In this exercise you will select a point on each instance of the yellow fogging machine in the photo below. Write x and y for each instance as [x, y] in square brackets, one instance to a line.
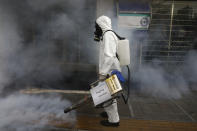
[102, 92]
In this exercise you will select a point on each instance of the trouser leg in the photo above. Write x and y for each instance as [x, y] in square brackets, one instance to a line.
[112, 111]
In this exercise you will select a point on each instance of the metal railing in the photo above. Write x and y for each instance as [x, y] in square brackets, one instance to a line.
[171, 32]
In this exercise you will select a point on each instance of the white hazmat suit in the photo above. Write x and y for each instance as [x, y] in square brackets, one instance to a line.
[108, 61]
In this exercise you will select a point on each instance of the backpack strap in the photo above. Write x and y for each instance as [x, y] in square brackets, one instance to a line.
[119, 37]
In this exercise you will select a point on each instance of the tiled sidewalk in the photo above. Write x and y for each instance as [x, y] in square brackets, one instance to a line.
[92, 124]
[143, 113]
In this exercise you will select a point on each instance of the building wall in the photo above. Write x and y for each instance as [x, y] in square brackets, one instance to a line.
[105, 7]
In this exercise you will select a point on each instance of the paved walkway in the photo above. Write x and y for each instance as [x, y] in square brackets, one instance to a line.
[92, 124]
[143, 113]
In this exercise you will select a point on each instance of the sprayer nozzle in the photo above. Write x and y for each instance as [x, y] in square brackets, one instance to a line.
[67, 110]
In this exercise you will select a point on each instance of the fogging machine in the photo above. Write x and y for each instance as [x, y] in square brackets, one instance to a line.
[102, 92]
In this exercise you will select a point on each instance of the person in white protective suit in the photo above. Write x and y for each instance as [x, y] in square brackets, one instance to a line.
[107, 62]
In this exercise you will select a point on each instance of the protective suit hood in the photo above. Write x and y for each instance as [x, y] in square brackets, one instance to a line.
[104, 22]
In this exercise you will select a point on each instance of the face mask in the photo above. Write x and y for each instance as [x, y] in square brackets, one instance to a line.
[98, 32]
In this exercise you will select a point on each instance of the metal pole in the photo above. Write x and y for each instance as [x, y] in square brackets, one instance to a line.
[171, 22]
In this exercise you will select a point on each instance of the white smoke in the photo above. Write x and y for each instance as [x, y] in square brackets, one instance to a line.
[190, 70]
[27, 61]
[35, 57]
[43, 5]
[9, 36]
[155, 80]
[24, 112]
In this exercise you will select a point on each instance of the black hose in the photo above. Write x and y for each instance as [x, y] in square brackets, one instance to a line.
[128, 85]
[129, 76]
